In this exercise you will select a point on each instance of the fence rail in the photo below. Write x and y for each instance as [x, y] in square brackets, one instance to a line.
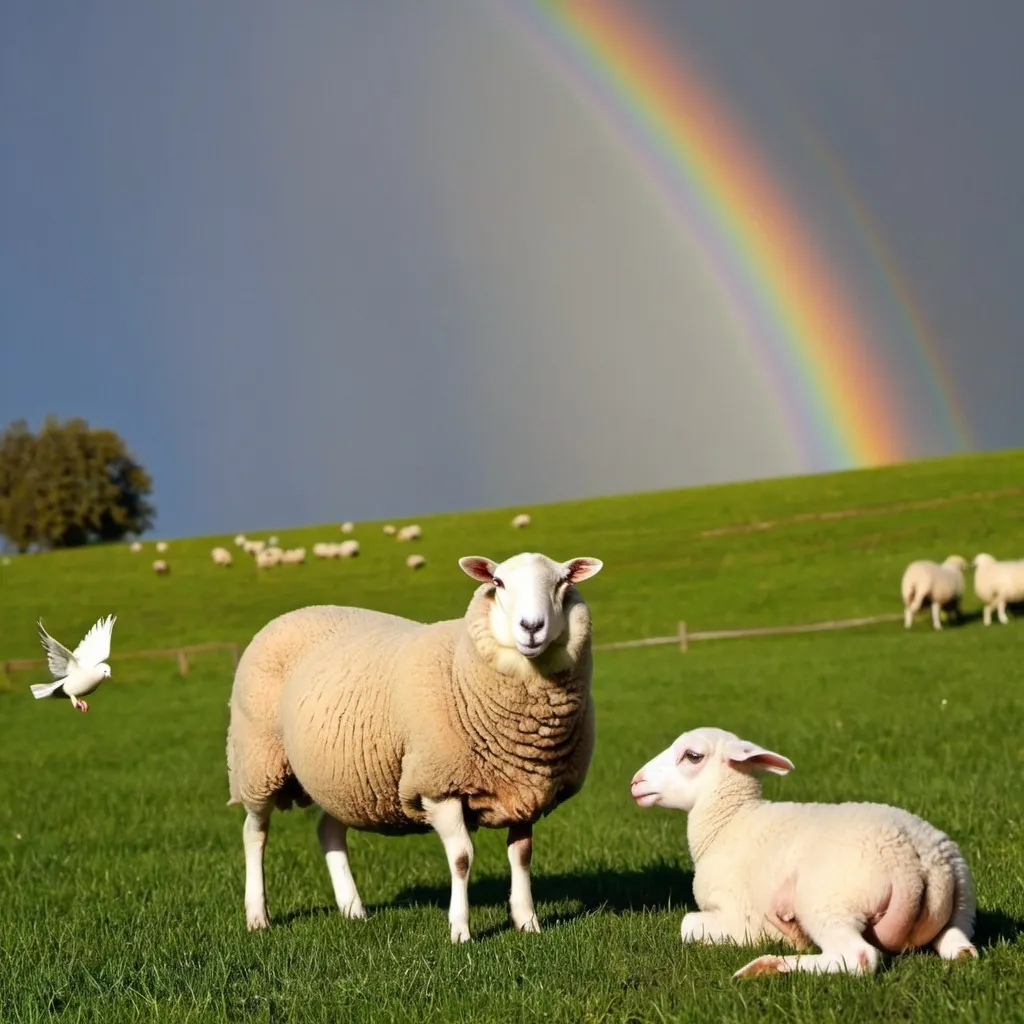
[180, 653]
[683, 637]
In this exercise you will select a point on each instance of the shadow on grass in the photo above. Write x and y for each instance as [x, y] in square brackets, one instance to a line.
[993, 927]
[974, 617]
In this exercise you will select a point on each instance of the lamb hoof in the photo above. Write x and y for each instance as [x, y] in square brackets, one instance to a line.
[460, 933]
[257, 921]
[354, 911]
[965, 953]
[763, 965]
[531, 924]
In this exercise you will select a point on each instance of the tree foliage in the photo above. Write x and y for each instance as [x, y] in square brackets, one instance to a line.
[70, 484]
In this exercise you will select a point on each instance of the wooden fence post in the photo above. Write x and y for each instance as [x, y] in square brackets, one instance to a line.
[684, 644]
[182, 664]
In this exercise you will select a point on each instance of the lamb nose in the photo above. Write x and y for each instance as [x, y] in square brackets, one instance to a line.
[531, 627]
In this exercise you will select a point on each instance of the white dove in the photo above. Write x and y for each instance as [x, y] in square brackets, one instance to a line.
[76, 674]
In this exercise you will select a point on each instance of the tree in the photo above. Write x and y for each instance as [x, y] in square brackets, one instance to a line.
[69, 485]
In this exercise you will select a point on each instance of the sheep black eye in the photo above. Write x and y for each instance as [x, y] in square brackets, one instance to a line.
[693, 756]
[498, 583]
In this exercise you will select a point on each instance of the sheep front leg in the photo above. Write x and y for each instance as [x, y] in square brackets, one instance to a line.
[254, 840]
[936, 615]
[520, 853]
[447, 820]
[708, 927]
[333, 842]
[1001, 611]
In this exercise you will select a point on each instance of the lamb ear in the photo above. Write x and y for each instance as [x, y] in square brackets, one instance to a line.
[579, 569]
[741, 754]
[478, 567]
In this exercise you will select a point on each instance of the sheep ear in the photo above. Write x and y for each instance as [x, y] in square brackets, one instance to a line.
[579, 569]
[750, 756]
[478, 567]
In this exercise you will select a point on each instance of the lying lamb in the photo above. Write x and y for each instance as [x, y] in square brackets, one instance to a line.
[396, 726]
[998, 584]
[852, 878]
[940, 585]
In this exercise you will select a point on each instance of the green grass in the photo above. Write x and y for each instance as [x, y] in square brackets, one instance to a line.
[121, 868]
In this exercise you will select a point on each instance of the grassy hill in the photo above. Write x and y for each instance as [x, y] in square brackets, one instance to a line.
[121, 869]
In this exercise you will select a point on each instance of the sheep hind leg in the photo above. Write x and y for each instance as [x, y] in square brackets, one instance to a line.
[936, 615]
[1001, 611]
[333, 842]
[254, 840]
[447, 820]
[844, 950]
[520, 854]
[954, 941]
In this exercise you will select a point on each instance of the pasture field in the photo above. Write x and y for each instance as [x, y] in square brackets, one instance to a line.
[121, 867]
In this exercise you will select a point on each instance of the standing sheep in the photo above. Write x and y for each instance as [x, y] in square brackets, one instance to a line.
[415, 561]
[389, 529]
[852, 878]
[928, 582]
[410, 532]
[161, 547]
[239, 539]
[396, 726]
[161, 568]
[135, 547]
[347, 527]
[998, 584]
[221, 556]
[521, 520]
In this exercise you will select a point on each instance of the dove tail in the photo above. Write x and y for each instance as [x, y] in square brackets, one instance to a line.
[40, 690]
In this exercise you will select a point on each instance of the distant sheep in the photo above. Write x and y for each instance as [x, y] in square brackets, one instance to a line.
[347, 527]
[410, 532]
[161, 546]
[296, 556]
[221, 556]
[161, 568]
[239, 540]
[271, 542]
[389, 529]
[853, 879]
[268, 558]
[348, 549]
[253, 547]
[998, 584]
[926, 582]
[135, 547]
[415, 561]
[521, 520]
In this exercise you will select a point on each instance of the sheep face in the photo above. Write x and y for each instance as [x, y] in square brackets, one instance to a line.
[692, 766]
[982, 559]
[956, 562]
[528, 612]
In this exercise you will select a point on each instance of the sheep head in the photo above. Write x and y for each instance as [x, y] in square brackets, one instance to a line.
[529, 590]
[694, 765]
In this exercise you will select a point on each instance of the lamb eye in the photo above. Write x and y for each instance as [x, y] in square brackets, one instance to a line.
[498, 583]
[693, 756]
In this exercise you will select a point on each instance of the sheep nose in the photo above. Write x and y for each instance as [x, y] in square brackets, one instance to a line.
[637, 779]
[532, 627]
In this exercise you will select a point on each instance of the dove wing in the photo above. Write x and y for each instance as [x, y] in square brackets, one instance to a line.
[58, 657]
[95, 645]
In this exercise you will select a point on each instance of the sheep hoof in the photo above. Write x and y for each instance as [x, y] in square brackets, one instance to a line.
[966, 953]
[531, 924]
[763, 965]
[256, 921]
[460, 933]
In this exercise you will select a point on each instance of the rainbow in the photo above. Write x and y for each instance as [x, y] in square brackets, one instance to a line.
[837, 401]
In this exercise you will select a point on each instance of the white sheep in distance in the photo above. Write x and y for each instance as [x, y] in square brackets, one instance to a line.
[239, 540]
[415, 561]
[389, 529]
[410, 532]
[347, 549]
[268, 558]
[347, 527]
[942, 586]
[161, 547]
[485, 720]
[271, 542]
[160, 567]
[998, 584]
[221, 556]
[851, 878]
[521, 520]
[294, 556]
[253, 547]
[135, 547]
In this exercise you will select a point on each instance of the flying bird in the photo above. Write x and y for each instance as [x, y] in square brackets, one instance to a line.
[78, 673]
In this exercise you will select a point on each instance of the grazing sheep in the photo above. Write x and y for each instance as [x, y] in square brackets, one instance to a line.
[389, 529]
[161, 568]
[296, 556]
[347, 549]
[271, 542]
[239, 540]
[521, 520]
[268, 558]
[940, 585]
[322, 550]
[851, 878]
[135, 547]
[254, 547]
[998, 584]
[396, 726]
[221, 556]
[415, 561]
[161, 547]
[410, 532]
[347, 527]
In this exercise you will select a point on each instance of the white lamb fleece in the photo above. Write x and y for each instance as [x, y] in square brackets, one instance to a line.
[410, 532]
[268, 558]
[161, 546]
[347, 527]
[389, 529]
[239, 539]
[396, 726]
[415, 561]
[941, 586]
[851, 878]
[998, 584]
[347, 549]
[221, 556]
[160, 567]
[521, 520]
[135, 547]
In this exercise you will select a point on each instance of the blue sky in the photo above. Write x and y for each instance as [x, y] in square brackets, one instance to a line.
[330, 261]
